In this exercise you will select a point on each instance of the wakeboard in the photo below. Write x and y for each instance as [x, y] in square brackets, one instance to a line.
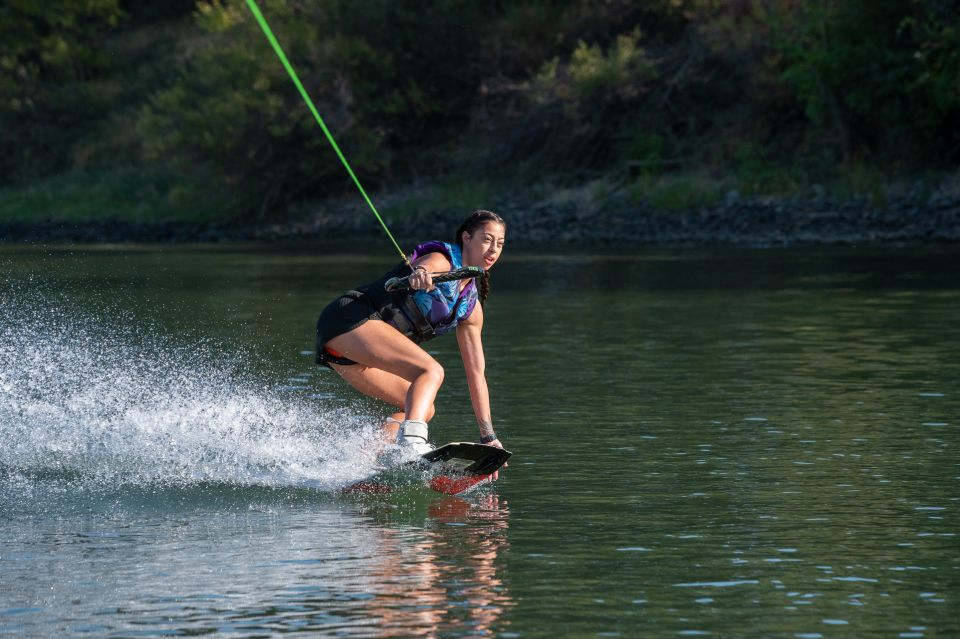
[450, 469]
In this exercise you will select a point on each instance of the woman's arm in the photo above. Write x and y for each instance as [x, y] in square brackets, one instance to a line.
[421, 279]
[471, 351]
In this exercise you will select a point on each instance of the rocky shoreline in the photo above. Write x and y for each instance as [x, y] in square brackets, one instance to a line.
[753, 222]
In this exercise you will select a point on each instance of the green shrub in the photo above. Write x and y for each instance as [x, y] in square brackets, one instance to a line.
[593, 72]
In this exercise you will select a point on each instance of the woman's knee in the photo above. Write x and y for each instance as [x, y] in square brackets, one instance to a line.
[434, 371]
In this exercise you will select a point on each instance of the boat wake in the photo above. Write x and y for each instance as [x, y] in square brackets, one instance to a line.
[101, 403]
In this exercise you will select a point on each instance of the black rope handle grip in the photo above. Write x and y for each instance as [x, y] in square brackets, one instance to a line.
[462, 273]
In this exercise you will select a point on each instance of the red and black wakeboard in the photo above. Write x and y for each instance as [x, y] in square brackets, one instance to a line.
[450, 469]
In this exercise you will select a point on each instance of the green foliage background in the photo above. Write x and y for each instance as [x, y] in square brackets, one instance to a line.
[182, 107]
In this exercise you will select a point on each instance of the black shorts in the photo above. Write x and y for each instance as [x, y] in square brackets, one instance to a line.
[342, 315]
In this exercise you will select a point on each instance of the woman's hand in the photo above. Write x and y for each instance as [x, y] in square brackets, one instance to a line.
[496, 474]
[420, 279]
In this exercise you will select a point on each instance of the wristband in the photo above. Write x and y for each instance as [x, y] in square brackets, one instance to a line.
[486, 439]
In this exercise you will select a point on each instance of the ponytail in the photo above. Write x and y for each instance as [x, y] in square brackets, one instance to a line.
[483, 287]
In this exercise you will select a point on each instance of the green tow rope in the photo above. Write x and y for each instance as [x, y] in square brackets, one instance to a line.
[306, 98]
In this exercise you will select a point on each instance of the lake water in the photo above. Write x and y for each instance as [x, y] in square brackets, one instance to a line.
[706, 443]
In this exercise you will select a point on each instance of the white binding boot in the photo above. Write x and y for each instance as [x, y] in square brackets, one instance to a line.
[412, 436]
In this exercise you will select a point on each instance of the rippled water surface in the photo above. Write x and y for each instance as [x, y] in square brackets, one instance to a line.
[730, 443]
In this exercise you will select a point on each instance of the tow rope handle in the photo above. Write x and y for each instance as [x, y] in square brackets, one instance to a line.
[462, 273]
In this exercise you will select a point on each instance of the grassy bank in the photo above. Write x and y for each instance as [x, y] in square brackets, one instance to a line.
[155, 196]
[139, 196]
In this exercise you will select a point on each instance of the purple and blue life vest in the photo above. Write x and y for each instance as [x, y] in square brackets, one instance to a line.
[446, 305]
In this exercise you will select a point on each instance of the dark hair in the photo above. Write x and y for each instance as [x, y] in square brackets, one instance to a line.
[474, 221]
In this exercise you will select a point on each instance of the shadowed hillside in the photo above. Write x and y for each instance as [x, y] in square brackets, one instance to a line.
[179, 111]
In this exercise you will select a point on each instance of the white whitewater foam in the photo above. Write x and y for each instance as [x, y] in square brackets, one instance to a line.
[101, 404]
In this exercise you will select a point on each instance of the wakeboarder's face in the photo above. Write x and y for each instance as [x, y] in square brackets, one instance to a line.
[483, 248]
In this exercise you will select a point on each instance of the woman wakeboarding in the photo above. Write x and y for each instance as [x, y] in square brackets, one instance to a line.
[371, 336]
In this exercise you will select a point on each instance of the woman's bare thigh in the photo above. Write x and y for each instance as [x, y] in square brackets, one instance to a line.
[376, 344]
[375, 383]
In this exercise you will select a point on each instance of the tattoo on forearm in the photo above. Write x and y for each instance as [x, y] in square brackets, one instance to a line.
[486, 427]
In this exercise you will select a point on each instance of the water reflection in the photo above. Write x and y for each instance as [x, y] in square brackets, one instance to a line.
[445, 577]
[272, 561]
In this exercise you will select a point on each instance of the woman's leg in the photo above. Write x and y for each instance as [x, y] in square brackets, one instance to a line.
[381, 385]
[391, 368]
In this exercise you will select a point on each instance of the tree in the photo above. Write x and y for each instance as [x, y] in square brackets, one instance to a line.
[50, 50]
